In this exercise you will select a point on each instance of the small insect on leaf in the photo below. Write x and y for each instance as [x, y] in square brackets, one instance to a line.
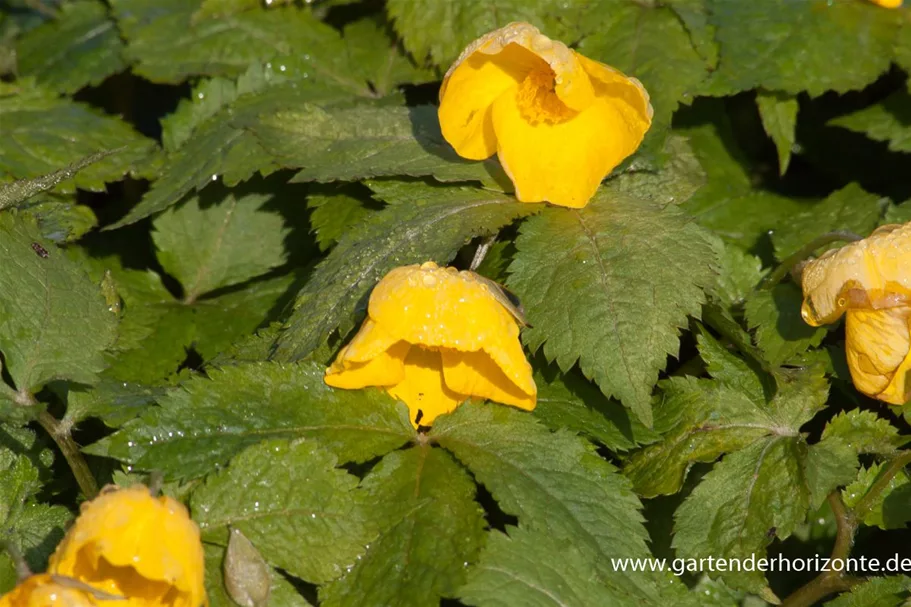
[41, 251]
[506, 298]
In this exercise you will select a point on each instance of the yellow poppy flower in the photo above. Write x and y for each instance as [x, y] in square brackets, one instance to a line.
[888, 3]
[433, 338]
[44, 591]
[128, 543]
[558, 121]
[870, 282]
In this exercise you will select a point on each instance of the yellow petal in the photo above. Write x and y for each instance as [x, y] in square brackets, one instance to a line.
[564, 162]
[878, 347]
[888, 3]
[386, 369]
[612, 83]
[128, 543]
[477, 374]
[422, 388]
[43, 591]
[872, 272]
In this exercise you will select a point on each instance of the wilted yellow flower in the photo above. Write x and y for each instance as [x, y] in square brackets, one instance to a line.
[127, 542]
[870, 280]
[433, 338]
[888, 3]
[558, 121]
[44, 591]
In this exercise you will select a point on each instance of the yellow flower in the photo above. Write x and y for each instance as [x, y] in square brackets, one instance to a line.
[558, 121]
[888, 3]
[433, 338]
[45, 591]
[870, 281]
[128, 543]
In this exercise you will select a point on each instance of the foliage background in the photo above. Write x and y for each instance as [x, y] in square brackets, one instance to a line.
[196, 197]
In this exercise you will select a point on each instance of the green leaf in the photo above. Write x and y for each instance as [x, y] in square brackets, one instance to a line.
[555, 483]
[829, 464]
[355, 142]
[430, 528]
[114, 402]
[54, 323]
[779, 119]
[222, 239]
[865, 432]
[282, 591]
[424, 223]
[738, 276]
[31, 527]
[60, 219]
[748, 494]
[648, 41]
[889, 121]
[588, 281]
[850, 208]
[220, 149]
[781, 332]
[788, 46]
[81, 47]
[568, 401]
[42, 134]
[292, 503]
[703, 418]
[383, 70]
[169, 45]
[205, 422]
[675, 181]
[12, 194]
[889, 591]
[695, 17]
[890, 508]
[335, 210]
[520, 569]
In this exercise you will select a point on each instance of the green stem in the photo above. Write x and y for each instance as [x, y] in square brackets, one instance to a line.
[782, 270]
[60, 432]
[830, 582]
[868, 501]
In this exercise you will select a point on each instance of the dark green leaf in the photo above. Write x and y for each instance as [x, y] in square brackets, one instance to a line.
[889, 121]
[876, 592]
[864, 432]
[779, 119]
[891, 509]
[781, 332]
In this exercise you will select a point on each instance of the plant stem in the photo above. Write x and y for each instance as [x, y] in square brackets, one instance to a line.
[60, 432]
[867, 502]
[781, 271]
[830, 582]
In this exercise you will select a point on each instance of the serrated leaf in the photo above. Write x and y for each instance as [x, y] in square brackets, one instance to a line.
[792, 47]
[207, 421]
[432, 227]
[334, 211]
[114, 402]
[220, 149]
[430, 528]
[829, 464]
[292, 503]
[889, 591]
[588, 277]
[889, 121]
[282, 591]
[701, 418]
[80, 47]
[555, 483]
[378, 59]
[221, 239]
[850, 209]
[739, 274]
[12, 194]
[890, 509]
[781, 332]
[778, 113]
[42, 134]
[349, 143]
[673, 182]
[54, 323]
[649, 42]
[31, 527]
[169, 45]
[747, 494]
[568, 401]
[865, 432]
[695, 17]
[519, 569]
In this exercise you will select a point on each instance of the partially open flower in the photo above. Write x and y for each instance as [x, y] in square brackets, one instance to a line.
[888, 3]
[128, 543]
[44, 591]
[558, 121]
[870, 281]
[433, 338]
